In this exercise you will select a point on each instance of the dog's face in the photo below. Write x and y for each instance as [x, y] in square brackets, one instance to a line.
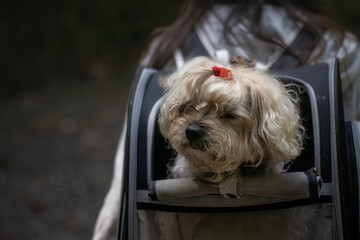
[219, 125]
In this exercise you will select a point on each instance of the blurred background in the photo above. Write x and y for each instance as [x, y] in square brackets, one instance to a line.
[65, 72]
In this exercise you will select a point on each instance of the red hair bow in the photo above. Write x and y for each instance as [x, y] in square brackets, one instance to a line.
[222, 72]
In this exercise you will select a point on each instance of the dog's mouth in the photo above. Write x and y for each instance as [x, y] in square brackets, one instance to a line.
[199, 145]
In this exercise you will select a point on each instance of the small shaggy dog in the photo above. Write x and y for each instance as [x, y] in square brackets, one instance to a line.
[224, 123]
[219, 125]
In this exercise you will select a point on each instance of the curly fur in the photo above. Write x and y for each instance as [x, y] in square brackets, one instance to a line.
[250, 120]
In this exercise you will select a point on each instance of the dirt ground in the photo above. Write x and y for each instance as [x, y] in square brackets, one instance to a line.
[57, 147]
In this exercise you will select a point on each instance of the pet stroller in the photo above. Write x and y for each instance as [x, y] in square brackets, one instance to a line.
[327, 171]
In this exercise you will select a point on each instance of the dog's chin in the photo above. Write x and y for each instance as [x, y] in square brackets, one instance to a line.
[202, 160]
[195, 154]
[197, 146]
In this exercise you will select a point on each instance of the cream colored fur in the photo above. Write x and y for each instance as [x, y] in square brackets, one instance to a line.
[249, 120]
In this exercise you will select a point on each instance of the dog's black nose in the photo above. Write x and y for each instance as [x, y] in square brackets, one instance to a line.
[194, 133]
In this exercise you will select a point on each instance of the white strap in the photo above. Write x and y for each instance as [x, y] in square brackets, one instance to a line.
[179, 58]
[222, 56]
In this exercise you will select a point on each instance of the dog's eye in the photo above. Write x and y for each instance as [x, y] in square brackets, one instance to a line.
[184, 107]
[229, 115]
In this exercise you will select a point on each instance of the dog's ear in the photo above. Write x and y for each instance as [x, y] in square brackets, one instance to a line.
[275, 115]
